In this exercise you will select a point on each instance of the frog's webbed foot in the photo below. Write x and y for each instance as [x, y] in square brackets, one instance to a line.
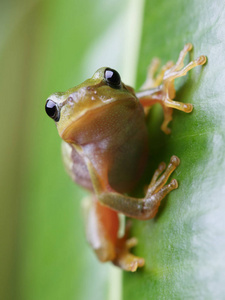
[167, 92]
[178, 71]
[124, 259]
[152, 79]
[158, 189]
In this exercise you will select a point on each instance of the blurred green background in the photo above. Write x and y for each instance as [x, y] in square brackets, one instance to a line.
[49, 46]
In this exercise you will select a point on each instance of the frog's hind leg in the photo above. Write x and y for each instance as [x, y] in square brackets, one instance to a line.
[124, 259]
[102, 225]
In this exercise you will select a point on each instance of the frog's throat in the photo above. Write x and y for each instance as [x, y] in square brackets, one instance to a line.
[98, 122]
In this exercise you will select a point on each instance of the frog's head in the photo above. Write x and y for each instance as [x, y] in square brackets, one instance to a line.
[89, 106]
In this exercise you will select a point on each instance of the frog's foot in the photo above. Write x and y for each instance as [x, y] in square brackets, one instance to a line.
[168, 86]
[165, 92]
[152, 79]
[158, 183]
[124, 259]
[178, 71]
[157, 189]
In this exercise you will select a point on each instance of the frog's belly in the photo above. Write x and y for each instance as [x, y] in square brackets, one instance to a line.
[119, 157]
[76, 167]
[127, 164]
[122, 160]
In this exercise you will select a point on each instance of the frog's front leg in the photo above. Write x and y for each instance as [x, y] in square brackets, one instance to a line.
[166, 91]
[103, 221]
[139, 208]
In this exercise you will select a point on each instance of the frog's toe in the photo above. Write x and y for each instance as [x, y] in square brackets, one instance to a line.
[132, 242]
[129, 262]
[124, 259]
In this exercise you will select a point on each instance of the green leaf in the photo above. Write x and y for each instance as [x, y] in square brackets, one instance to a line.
[184, 244]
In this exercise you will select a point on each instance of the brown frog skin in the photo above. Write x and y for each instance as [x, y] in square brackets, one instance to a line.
[102, 124]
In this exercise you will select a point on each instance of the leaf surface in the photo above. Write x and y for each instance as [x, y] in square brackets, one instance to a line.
[184, 244]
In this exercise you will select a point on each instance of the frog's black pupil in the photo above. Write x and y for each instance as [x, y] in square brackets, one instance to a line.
[52, 110]
[112, 78]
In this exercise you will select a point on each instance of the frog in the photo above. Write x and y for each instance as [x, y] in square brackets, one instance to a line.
[102, 124]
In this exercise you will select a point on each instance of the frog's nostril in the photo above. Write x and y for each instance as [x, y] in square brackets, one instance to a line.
[70, 100]
[52, 110]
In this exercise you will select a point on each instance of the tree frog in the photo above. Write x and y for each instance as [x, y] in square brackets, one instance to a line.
[102, 125]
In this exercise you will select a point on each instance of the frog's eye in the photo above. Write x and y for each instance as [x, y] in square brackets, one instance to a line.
[52, 110]
[112, 78]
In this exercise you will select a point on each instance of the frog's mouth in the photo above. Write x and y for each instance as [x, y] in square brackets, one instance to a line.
[99, 124]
